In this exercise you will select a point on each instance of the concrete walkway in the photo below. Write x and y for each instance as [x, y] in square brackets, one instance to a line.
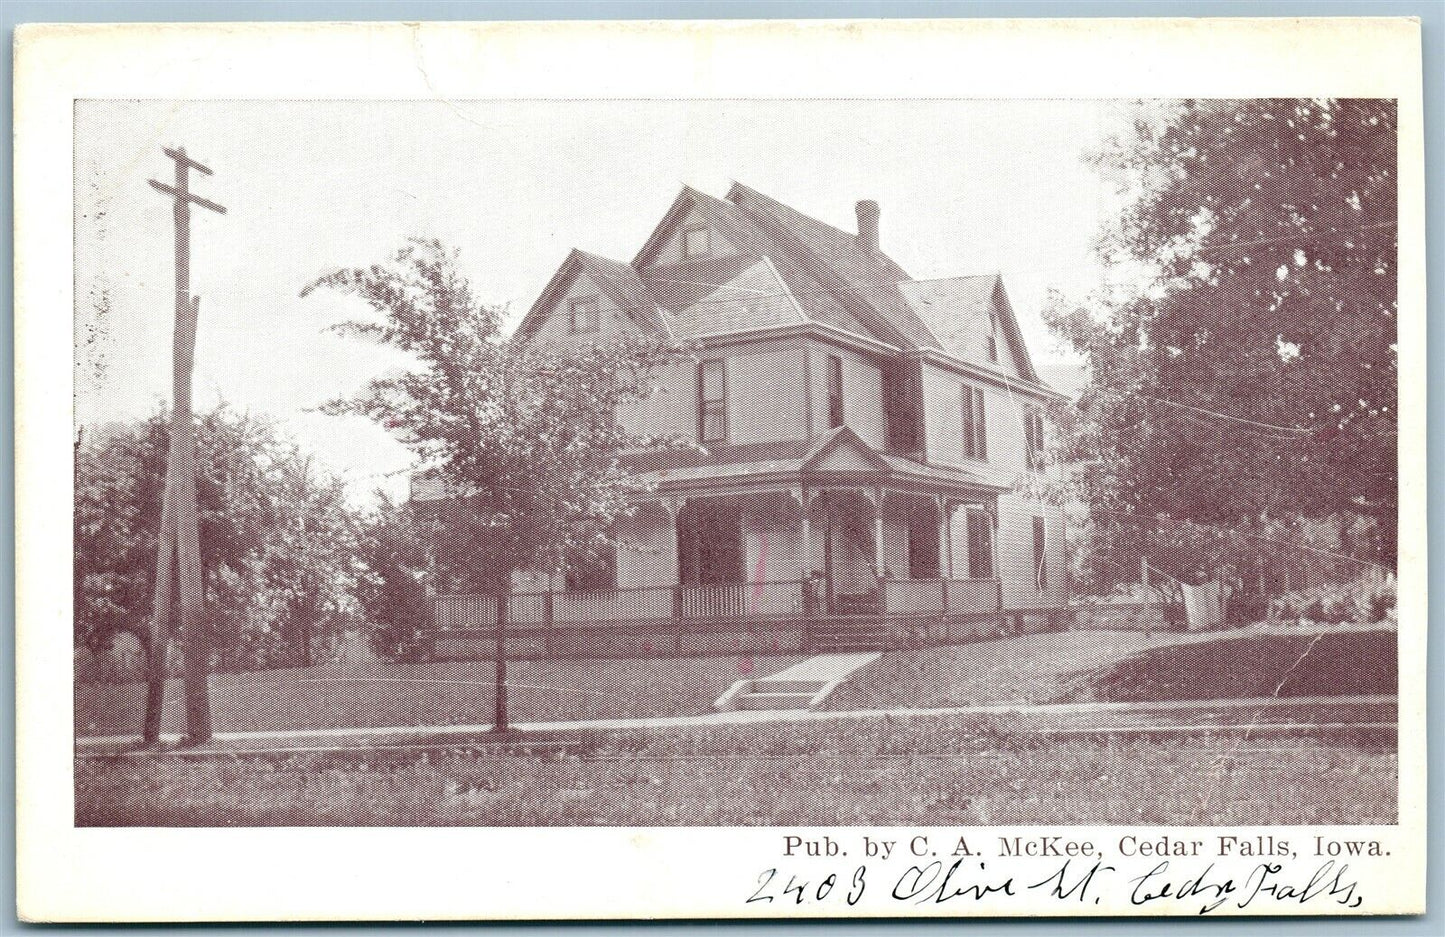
[805, 685]
[1047, 718]
[825, 668]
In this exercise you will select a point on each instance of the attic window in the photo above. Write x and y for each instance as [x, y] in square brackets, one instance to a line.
[695, 243]
[583, 318]
[992, 337]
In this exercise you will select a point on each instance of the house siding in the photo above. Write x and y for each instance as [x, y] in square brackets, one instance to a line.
[1016, 552]
[671, 410]
[554, 328]
[765, 393]
[670, 250]
[863, 410]
[943, 421]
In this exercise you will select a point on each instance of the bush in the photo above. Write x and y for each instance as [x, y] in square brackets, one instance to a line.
[1361, 602]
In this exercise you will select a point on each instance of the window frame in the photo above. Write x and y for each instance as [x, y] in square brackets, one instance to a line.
[975, 423]
[1034, 438]
[704, 403]
[993, 335]
[687, 235]
[595, 315]
[835, 391]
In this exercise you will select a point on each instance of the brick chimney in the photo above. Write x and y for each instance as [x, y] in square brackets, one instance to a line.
[868, 225]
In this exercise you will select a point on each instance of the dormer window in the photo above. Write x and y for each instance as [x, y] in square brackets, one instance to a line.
[584, 316]
[695, 243]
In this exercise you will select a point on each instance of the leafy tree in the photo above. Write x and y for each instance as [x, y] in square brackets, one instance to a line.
[523, 436]
[275, 538]
[1252, 379]
[396, 547]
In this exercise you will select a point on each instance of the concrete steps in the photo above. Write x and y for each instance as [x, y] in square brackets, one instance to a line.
[777, 700]
[802, 686]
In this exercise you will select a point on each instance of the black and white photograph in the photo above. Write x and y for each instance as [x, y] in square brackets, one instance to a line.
[878, 472]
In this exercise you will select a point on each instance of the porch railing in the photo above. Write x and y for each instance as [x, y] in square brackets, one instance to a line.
[941, 596]
[716, 601]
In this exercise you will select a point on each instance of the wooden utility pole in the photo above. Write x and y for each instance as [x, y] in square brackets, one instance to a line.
[180, 584]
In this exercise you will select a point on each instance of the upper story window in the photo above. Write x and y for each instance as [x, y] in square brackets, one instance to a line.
[835, 391]
[1034, 438]
[712, 409]
[992, 338]
[695, 243]
[975, 424]
[584, 316]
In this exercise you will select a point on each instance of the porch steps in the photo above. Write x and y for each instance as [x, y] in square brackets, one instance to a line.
[803, 686]
[867, 634]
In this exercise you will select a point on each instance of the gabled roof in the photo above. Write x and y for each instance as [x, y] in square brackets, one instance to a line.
[940, 302]
[789, 269]
[843, 438]
[617, 280]
[864, 280]
[721, 294]
[821, 298]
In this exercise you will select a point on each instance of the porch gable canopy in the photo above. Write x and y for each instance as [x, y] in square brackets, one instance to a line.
[839, 458]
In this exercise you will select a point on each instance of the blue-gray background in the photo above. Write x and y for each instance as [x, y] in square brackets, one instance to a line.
[1431, 12]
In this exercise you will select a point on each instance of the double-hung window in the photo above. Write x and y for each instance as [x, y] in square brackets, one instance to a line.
[1034, 438]
[975, 424]
[712, 410]
[584, 316]
[835, 391]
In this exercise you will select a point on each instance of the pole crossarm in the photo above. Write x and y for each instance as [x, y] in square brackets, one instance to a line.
[179, 155]
[203, 202]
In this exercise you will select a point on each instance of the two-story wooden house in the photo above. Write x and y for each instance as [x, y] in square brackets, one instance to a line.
[862, 432]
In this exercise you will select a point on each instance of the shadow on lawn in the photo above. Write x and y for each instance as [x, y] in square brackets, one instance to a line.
[1338, 664]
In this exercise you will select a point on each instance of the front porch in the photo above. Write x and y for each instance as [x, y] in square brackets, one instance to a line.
[789, 569]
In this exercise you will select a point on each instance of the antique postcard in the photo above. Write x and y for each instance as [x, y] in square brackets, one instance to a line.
[720, 469]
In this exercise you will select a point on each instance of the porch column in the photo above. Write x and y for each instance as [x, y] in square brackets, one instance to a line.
[672, 506]
[993, 547]
[879, 566]
[945, 536]
[805, 539]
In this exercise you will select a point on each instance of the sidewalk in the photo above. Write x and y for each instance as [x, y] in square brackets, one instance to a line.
[1068, 718]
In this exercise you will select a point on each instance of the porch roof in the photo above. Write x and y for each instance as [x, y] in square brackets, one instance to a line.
[837, 458]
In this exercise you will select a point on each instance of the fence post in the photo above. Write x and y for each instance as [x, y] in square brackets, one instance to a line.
[499, 722]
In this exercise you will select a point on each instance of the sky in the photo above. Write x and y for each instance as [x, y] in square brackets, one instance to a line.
[310, 186]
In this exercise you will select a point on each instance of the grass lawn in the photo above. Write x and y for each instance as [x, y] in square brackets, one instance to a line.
[356, 694]
[1105, 666]
[924, 771]
[1344, 663]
